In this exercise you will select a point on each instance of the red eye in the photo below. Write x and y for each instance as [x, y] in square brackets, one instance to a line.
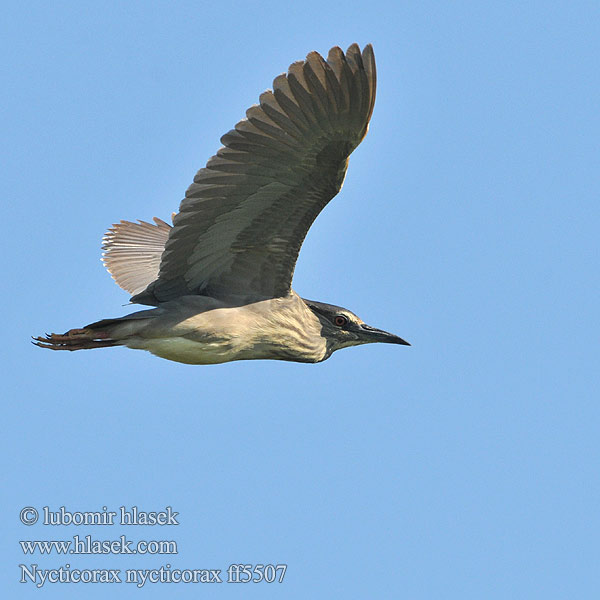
[340, 321]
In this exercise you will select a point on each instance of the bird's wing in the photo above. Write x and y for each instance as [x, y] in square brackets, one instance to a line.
[243, 220]
[132, 252]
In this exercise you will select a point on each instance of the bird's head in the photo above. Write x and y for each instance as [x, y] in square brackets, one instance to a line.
[342, 328]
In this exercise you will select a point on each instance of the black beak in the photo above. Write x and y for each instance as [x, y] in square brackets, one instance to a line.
[378, 335]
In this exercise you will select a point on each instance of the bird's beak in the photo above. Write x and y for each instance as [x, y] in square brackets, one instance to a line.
[371, 334]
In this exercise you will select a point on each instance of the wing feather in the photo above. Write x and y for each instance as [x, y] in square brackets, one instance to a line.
[132, 252]
[241, 225]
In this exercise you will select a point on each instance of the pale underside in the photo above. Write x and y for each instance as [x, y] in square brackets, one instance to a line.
[197, 329]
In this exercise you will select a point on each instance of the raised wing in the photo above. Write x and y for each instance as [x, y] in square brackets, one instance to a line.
[132, 252]
[243, 220]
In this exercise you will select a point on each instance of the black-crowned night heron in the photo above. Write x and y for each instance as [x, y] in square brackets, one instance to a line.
[220, 277]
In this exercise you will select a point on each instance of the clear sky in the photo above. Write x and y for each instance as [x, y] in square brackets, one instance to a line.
[466, 466]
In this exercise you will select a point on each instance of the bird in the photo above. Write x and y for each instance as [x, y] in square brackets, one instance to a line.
[219, 278]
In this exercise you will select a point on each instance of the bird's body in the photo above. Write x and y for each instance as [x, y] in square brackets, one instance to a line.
[220, 277]
[204, 330]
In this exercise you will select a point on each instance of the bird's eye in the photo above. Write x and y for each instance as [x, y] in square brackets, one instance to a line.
[341, 321]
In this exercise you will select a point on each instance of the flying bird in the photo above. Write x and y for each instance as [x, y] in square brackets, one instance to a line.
[220, 277]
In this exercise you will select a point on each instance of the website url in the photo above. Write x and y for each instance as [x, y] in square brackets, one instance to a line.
[87, 545]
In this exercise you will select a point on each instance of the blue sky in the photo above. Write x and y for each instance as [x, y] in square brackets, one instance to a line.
[466, 466]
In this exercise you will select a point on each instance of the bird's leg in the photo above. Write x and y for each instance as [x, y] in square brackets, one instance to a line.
[75, 339]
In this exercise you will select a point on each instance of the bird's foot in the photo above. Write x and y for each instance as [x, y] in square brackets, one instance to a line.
[74, 339]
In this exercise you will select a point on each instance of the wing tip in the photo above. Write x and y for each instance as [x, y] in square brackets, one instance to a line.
[132, 252]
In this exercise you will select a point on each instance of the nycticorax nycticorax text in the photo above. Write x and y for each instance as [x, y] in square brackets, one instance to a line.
[220, 277]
